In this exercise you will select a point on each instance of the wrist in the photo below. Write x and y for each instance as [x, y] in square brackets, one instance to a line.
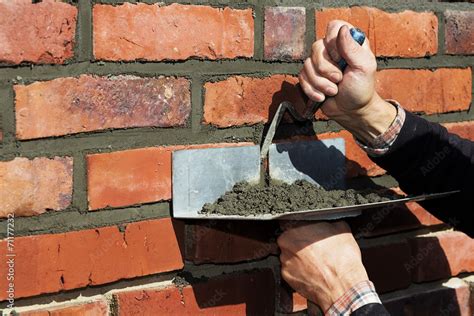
[369, 121]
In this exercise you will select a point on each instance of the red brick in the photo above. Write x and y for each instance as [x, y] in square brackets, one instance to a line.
[41, 33]
[95, 308]
[230, 242]
[459, 34]
[463, 129]
[133, 176]
[440, 255]
[401, 34]
[246, 100]
[247, 293]
[173, 32]
[289, 300]
[89, 103]
[439, 91]
[54, 262]
[31, 187]
[447, 299]
[284, 34]
[385, 265]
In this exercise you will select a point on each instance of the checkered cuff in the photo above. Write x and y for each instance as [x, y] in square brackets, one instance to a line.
[381, 144]
[361, 294]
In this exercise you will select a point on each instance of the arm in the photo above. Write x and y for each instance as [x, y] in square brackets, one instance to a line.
[423, 157]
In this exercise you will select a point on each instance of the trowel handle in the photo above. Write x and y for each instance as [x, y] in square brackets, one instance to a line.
[313, 106]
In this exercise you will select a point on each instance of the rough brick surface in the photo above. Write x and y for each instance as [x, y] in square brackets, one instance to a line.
[447, 299]
[401, 34]
[247, 293]
[54, 262]
[88, 103]
[36, 32]
[31, 187]
[245, 100]
[463, 129]
[229, 242]
[95, 308]
[284, 33]
[174, 32]
[385, 265]
[439, 91]
[459, 33]
[441, 255]
[133, 176]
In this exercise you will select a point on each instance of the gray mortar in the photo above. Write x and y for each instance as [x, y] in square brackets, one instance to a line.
[245, 199]
[198, 71]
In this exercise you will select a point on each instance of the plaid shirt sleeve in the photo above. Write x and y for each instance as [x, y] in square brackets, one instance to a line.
[361, 294]
[382, 143]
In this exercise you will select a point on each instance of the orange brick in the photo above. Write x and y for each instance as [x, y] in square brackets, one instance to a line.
[174, 32]
[54, 262]
[247, 293]
[245, 100]
[89, 103]
[41, 33]
[133, 176]
[30, 187]
[440, 91]
[402, 34]
[95, 308]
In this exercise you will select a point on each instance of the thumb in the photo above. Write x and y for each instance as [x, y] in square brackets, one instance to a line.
[355, 55]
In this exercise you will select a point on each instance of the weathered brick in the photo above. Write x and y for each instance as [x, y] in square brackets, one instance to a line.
[95, 308]
[246, 100]
[463, 129]
[174, 32]
[451, 298]
[89, 103]
[133, 176]
[284, 33]
[440, 255]
[54, 262]
[401, 34]
[31, 187]
[40, 33]
[459, 33]
[246, 293]
[439, 91]
[385, 265]
[230, 242]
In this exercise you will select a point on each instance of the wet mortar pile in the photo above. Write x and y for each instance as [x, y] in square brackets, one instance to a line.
[246, 199]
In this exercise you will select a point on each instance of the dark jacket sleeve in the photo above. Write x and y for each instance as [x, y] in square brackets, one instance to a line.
[425, 158]
[371, 309]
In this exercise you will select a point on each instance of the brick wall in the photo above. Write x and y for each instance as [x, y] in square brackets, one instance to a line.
[95, 96]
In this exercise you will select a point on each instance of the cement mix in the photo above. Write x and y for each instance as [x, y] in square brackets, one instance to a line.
[245, 199]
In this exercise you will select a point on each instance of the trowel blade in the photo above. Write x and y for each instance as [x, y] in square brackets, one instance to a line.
[321, 162]
[332, 213]
[201, 176]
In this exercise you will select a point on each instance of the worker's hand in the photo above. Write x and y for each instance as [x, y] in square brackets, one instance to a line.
[321, 261]
[350, 97]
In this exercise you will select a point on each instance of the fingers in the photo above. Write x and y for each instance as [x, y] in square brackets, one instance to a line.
[330, 40]
[320, 75]
[356, 56]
